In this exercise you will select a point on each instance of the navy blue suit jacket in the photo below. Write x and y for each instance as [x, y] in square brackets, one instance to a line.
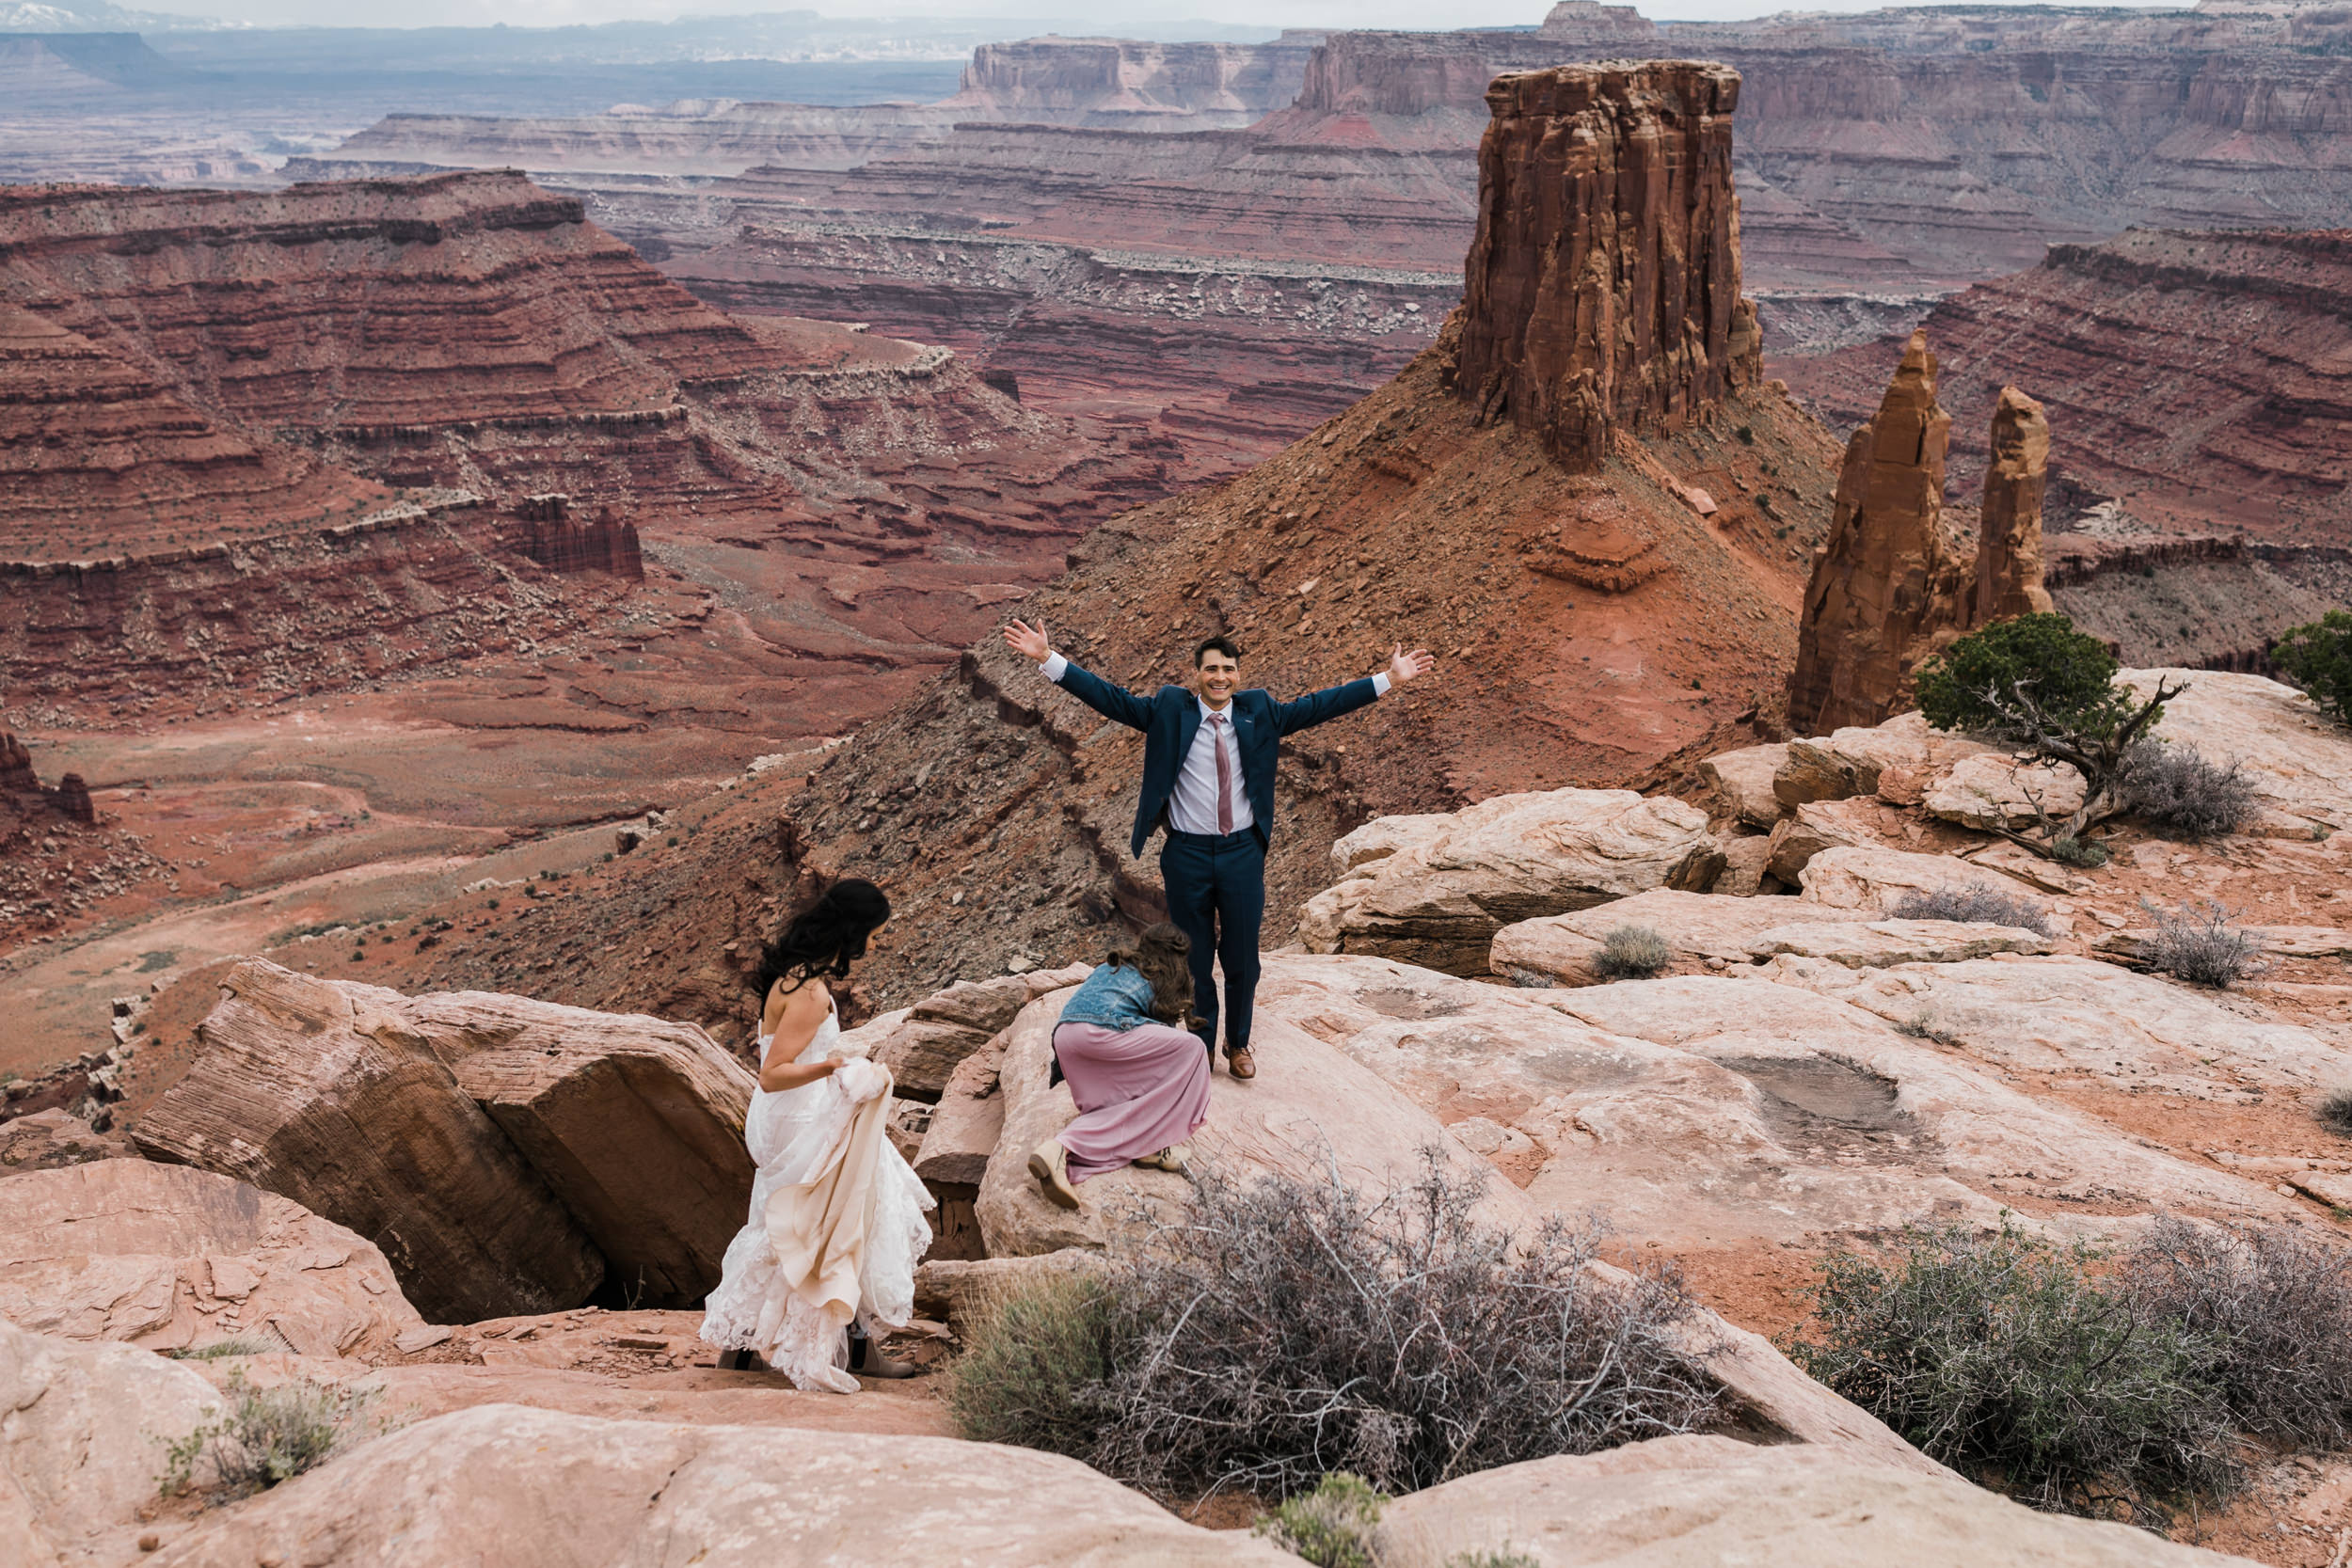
[1170, 717]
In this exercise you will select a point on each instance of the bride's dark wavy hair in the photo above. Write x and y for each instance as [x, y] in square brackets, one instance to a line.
[825, 938]
[1162, 956]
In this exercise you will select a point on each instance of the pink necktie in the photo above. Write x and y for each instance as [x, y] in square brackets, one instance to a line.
[1224, 786]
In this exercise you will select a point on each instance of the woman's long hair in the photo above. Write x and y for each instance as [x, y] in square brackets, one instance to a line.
[825, 938]
[1162, 956]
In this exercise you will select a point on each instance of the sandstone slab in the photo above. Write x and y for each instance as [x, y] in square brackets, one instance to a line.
[1558, 950]
[1714, 1113]
[2084, 1019]
[1743, 779]
[1745, 858]
[167, 1256]
[1820, 825]
[1870, 759]
[1440, 900]
[45, 1140]
[1991, 790]
[1859, 877]
[2301, 760]
[1878, 944]
[539, 1489]
[78, 1455]
[968, 1120]
[1701, 1502]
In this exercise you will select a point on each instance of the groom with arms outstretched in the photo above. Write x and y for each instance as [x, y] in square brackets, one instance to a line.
[1207, 777]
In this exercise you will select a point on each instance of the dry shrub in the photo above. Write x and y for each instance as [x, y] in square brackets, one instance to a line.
[2197, 944]
[2279, 1304]
[2181, 795]
[1631, 953]
[2334, 1111]
[267, 1435]
[1282, 1331]
[2002, 1355]
[1977, 901]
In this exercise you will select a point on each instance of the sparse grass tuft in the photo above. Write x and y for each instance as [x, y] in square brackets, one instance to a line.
[1331, 1526]
[2082, 853]
[2182, 796]
[2196, 943]
[220, 1348]
[1631, 953]
[1977, 901]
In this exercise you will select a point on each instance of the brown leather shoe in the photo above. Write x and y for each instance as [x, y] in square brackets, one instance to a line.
[1240, 1064]
[1049, 1165]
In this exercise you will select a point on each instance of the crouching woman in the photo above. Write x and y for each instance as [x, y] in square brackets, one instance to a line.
[1138, 1074]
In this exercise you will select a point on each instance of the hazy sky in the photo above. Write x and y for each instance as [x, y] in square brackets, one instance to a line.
[1103, 16]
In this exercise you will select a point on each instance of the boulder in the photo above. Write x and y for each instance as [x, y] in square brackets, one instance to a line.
[1816, 825]
[79, 1452]
[538, 1489]
[1309, 1111]
[924, 1044]
[1558, 950]
[1860, 878]
[1440, 900]
[45, 1140]
[635, 1123]
[1384, 836]
[1881, 944]
[1990, 790]
[1889, 759]
[2300, 759]
[496, 1147]
[1745, 860]
[1704, 1501]
[2094, 1021]
[167, 1256]
[967, 1121]
[1743, 780]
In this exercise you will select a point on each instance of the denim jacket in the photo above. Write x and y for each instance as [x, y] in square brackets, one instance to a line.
[1114, 996]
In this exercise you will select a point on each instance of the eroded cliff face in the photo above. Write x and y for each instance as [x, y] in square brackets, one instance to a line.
[1139, 86]
[1602, 289]
[222, 396]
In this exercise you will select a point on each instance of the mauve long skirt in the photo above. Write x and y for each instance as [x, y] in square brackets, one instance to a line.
[1140, 1090]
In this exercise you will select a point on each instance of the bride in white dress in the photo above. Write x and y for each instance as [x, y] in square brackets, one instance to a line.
[827, 1256]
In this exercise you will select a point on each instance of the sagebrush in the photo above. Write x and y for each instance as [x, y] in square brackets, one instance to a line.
[1977, 901]
[1287, 1329]
[2182, 795]
[1631, 953]
[267, 1435]
[2334, 1111]
[2004, 1357]
[2276, 1304]
[2198, 943]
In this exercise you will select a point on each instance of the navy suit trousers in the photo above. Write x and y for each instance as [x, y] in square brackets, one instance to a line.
[1217, 896]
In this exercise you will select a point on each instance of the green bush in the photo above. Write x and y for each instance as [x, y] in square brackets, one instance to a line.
[267, 1435]
[2070, 675]
[2003, 1356]
[2318, 658]
[1036, 1372]
[1331, 1526]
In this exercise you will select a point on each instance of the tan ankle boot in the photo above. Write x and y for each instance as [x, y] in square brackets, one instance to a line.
[1049, 1163]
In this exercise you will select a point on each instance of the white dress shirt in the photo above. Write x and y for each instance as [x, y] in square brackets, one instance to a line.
[1192, 809]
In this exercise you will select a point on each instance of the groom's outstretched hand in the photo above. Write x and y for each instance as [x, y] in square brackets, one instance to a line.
[1028, 640]
[1401, 665]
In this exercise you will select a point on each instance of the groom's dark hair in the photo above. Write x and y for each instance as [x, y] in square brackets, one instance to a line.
[1219, 643]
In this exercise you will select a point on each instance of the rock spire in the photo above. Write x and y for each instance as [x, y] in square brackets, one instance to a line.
[1889, 586]
[2008, 532]
[1602, 290]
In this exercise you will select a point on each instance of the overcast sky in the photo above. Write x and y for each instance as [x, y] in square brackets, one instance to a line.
[1102, 16]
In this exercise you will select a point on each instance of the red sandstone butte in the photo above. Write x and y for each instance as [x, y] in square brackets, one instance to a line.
[1602, 289]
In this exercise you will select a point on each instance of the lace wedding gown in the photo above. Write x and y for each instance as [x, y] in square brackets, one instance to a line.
[791, 1135]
